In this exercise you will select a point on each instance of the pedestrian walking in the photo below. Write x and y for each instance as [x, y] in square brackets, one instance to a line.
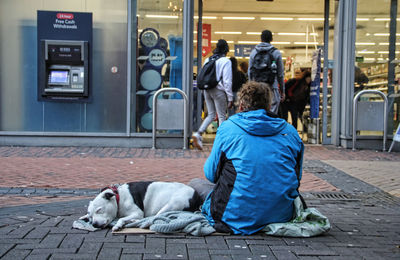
[265, 65]
[219, 98]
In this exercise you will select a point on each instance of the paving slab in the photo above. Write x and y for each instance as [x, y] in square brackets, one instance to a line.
[39, 202]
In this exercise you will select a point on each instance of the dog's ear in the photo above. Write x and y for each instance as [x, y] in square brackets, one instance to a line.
[109, 195]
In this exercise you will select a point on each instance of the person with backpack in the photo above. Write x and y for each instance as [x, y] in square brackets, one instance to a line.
[215, 78]
[265, 65]
[296, 98]
[238, 79]
[254, 169]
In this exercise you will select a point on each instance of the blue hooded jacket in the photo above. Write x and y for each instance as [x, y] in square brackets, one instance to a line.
[256, 164]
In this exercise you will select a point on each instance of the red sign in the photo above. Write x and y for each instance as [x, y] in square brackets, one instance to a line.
[206, 39]
[65, 16]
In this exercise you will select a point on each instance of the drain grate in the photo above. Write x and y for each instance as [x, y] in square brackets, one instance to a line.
[334, 196]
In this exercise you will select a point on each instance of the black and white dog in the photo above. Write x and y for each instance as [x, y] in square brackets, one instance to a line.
[136, 200]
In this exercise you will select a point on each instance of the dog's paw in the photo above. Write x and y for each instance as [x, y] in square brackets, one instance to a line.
[116, 228]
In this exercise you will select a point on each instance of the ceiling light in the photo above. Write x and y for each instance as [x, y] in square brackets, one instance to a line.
[206, 17]
[253, 33]
[292, 34]
[365, 43]
[237, 18]
[277, 18]
[382, 19]
[369, 59]
[162, 16]
[385, 34]
[280, 43]
[366, 52]
[306, 43]
[387, 52]
[310, 19]
[226, 41]
[362, 19]
[386, 43]
[248, 42]
[227, 32]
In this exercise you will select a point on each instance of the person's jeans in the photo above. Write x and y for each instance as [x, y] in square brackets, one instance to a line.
[216, 102]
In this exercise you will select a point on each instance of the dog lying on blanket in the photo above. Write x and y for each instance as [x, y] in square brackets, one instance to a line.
[136, 200]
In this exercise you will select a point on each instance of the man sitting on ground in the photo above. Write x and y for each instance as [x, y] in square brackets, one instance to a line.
[254, 167]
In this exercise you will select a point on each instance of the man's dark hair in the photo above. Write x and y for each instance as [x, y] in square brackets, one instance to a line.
[255, 95]
[222, 47]
[266, 36]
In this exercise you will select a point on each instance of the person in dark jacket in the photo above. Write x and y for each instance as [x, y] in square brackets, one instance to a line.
[254, 168]
[296, 98]
[238, 79]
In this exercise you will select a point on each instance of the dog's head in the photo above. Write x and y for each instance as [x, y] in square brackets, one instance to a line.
[102, 210]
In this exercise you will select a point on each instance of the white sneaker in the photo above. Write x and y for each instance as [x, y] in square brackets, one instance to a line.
[197, 141]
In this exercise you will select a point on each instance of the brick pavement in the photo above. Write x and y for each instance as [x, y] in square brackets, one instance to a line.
[365, 220]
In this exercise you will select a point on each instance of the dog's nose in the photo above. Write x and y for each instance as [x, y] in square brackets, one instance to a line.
[96, 225]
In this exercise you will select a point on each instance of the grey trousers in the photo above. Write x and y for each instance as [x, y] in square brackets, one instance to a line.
[276, 100]
[216, 102]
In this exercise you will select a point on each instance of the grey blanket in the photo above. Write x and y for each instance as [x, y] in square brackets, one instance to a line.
[176, 222]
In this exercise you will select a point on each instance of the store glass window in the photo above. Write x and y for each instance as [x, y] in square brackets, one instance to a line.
[20, 109]
[159, 61]
[372, 55]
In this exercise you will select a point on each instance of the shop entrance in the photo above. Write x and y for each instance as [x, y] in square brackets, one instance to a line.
[298, 32]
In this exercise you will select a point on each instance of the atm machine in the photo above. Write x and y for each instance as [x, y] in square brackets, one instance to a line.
[64, 41]
[64, 69]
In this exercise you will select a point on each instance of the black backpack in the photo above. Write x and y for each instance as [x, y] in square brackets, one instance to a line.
[207, 78]
[264, 67]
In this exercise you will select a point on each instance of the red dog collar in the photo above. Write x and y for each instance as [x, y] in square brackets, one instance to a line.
[114, 188]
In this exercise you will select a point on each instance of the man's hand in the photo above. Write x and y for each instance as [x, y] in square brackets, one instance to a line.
[230, 104]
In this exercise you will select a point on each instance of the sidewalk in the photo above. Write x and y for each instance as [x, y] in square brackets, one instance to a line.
[43, 190]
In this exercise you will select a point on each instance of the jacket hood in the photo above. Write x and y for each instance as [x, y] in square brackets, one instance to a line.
[259, 122]
[264, 46]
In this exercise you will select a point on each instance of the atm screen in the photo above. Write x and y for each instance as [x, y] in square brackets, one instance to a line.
[59, 76]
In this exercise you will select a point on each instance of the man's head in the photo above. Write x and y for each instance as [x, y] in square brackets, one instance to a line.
[253, 96]
[222, 47]
[266, 36]
[306, 76]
